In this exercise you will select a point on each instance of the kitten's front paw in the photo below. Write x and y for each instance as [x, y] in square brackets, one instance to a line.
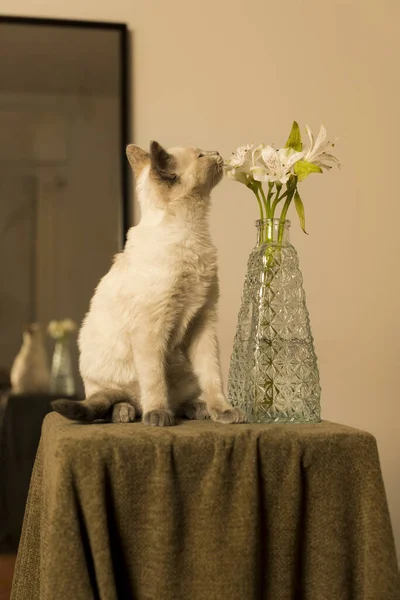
[231, 415]
[159, 418]
[196, 410]
[123, 413]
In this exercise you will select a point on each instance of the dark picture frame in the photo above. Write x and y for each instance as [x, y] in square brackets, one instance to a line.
[125, 86]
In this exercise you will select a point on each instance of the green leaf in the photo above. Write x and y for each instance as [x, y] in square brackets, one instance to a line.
[303, 169]
[300, 211]
[294, 139]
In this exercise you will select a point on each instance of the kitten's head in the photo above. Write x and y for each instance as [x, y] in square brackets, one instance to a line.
[178, 172]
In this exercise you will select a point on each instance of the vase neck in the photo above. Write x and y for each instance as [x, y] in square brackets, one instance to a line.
[273, 231]
[62, 341]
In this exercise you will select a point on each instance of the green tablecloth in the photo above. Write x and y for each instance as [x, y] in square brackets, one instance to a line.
[204, 511]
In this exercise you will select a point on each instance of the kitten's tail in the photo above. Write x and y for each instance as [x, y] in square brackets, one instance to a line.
[95, 407]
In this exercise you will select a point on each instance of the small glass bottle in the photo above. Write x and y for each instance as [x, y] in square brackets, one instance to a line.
[62, 380]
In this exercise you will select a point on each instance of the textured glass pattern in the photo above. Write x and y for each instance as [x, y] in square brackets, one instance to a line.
[273, 373]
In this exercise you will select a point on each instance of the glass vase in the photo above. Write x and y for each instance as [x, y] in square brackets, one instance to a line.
[62, 379]
[273, 373]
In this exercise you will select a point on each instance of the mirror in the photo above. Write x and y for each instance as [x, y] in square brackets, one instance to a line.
[64, 213]
[64, 179]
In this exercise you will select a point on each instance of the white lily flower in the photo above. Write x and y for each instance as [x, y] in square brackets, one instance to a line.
[240, 166]
[241, 157]
[318, 152]
[278, 164]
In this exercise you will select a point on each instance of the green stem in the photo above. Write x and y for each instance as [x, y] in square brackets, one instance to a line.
[290, 193]
[267, 231]
[270, 194]
[255, 190]
[270, 214]
[277, 200]
[259, 204]
[267, 203]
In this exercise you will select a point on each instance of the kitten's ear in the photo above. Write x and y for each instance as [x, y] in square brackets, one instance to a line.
[162, 163]
[31, 328]
[137, 157]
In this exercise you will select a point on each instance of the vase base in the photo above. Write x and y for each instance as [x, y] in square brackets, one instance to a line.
[303, 416]
[282, 421]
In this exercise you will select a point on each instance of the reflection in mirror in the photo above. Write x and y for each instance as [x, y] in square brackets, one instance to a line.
[61, 188]
[63, 207]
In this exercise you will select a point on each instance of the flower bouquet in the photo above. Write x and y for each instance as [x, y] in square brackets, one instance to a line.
[281, 171]
[273, 373]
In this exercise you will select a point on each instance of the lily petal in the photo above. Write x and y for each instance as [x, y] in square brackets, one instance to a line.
[320, 139]
[310, 136]
[293, 158]
[240, 177]
[329, 157]
[271, 158]
[285, 178]
[256, 153]
[260, 174]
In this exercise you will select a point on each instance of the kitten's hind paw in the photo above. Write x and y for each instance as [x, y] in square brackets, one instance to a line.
[159, 418]
[123, 412]
[231, 415]
[195, 410]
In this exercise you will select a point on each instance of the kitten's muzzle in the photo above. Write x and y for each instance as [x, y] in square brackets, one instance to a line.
[219, 170]
[219, 160]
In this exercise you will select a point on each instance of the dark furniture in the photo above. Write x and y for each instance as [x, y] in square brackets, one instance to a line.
[21, 418]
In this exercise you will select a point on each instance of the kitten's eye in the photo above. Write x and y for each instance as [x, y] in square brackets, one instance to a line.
[200, 156]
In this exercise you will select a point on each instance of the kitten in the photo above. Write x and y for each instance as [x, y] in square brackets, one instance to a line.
[148, 345]
[30, 372]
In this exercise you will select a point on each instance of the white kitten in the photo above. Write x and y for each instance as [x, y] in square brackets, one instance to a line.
[148, 344]
[30, 372]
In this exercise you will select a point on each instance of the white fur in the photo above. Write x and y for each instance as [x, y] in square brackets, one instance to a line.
[151, 327]
[30, 371]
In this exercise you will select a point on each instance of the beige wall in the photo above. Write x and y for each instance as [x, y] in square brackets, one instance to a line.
[218, 73]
